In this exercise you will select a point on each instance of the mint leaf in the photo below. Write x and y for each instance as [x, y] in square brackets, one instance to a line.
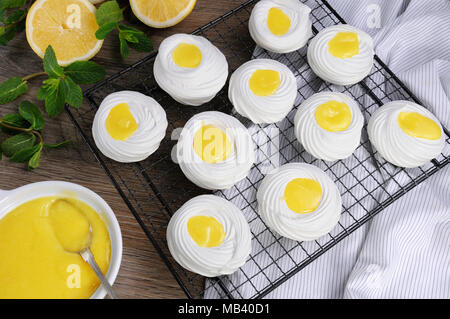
[2, 15]
[74, 95]
[20, 26]
[11, 89]
[109, 12]
[7, 33]
[124, 51]
[25, 154]
[129, 36]
[55, 101]
[124, 27]
[105, 29]
[31, 113]
[83, 72]
[16, 16]
[57, 145]
[17, 142]
[34, 160]
[141, 41]
[16, 120]
[51, 65]
[9, 4]
[144, 44]
[48, 87]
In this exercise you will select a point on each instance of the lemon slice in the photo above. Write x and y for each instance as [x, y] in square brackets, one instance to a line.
[69, 26]
[162, 13]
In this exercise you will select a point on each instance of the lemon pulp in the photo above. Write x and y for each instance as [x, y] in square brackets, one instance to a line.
[187, 55]
[69, 26]
[34, 264]
[344, 45]
[162, 13]
[278, 22]
[206, 231]
[303, 195]
[265, 82]
[211, 144]
[120, 122]
[333, 116]
[417, 125]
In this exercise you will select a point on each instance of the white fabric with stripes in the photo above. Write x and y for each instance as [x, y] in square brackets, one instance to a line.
[404, 252]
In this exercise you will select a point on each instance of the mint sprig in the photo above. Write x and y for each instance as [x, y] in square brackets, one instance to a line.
[108, 16]
[26, 143]
[12, 19]
[61, 86]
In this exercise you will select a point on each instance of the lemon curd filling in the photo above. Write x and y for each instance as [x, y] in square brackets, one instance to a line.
[303, 195]
[187, 55]
[120, 122]
[206, 231]
[333, 116]
[344, 45]
[211, 144]
[278, 22]
[70, 225]
[417, 125]
[265, 82]
[34, 263]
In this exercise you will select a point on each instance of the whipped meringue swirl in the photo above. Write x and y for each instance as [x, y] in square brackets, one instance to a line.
[148, 114]
[293, 38]
[278, 216]
[336, 70]
[210, 261]
[321, 143]
[190, 85]
[262, 109]
[394, 144]
[223, 173]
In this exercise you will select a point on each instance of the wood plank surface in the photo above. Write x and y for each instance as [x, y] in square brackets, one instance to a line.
[143, 274]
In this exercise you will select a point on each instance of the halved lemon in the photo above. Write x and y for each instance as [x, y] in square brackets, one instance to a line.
[162, 13]
[69, 26]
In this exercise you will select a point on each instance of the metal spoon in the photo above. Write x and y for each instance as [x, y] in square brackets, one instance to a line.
[88, 257]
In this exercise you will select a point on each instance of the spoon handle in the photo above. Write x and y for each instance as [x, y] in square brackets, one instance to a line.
[87, 256]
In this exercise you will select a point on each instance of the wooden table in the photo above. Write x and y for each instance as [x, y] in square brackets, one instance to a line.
[142, 274]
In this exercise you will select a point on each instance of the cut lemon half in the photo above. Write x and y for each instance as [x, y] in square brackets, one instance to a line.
[162, 13]
[69, 26]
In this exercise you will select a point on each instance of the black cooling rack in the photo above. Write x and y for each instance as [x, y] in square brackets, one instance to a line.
[155, 188]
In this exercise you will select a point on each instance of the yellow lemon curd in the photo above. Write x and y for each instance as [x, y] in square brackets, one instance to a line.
[303, 195]
[206, 231]
[37, 240]
[344, 45]
[120, 123]
[278, 22]
[211, 144]
[187, 55]
[417, 125]
[333, 116]
[264, 82]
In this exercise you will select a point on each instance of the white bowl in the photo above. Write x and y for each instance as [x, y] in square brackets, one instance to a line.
[14, 198]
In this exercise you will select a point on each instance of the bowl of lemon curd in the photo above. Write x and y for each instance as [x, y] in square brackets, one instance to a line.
[42, 226]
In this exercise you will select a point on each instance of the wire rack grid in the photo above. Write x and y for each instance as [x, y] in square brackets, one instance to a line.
[155, 188]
